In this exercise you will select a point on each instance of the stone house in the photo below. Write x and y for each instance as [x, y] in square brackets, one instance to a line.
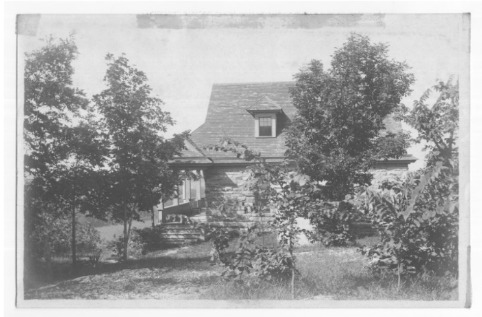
[256, 115]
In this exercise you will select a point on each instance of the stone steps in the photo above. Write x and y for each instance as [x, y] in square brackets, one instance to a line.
[178, 233]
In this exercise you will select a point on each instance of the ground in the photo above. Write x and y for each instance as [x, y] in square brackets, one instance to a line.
[188, 273]
[168, 274]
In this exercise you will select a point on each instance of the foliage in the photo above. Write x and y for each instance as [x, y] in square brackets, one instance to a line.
[437, 125]
[150, 238]
[60, 145]
[333, 223]
[287, 193]
[132, 121]
[135, 246]
[52, 237]
[220, 238]
[50, 102]
[418, 225]
[253, 262]
[418, 218]
[49, 98]
[335, 137]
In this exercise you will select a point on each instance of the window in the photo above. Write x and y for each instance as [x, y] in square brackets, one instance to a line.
[265, 126]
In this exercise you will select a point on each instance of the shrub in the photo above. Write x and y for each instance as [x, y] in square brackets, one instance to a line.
[88, 240]
[219, 238]
[135, 246]
[52, 236]
[150, 238]
[418, 223]
[252, 261]
[333, 224]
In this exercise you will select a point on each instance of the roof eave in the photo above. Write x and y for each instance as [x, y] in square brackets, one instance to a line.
[256, 111]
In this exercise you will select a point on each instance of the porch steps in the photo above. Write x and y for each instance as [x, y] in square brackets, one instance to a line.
[179, 233]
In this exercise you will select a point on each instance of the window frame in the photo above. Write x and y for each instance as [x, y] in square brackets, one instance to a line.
[257, 124]
[263, 128]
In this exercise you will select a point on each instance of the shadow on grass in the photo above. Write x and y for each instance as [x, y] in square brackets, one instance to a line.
[39, 274]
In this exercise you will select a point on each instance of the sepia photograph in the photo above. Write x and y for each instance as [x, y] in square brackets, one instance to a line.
[242, 160]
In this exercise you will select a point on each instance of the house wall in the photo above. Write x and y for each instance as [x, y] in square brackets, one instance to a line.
[381, 174]
[226, 190]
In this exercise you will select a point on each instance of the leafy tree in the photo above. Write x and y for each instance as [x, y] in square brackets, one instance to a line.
[74, 178]
[418, 218]
[437, 125]
[336, 135]
[51, 100]
[133, 121]
[57, 139]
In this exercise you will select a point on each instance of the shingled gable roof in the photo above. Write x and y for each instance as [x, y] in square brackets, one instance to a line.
[229, 115]
[192, 154]
[264, 104]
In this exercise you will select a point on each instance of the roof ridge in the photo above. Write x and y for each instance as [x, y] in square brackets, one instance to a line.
[254, 83]
[271, 101]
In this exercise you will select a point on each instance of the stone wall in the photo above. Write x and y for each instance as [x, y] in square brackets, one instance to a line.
[381, 174]
[226, 190]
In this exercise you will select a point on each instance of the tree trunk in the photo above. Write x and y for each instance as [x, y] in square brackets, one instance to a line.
[399, 282]
[48, 259]
[291, 245]
[293, 282]
[129, 229]
[74, 227]
[74, 242]
[153, 217]
[126, 241]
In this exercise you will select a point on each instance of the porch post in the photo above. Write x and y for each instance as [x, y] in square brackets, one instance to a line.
[198, 185]
[187, 189]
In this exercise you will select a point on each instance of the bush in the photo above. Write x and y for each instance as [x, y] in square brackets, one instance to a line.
[252, 261]
[333, 224]
[88, 240]
[135, 246]
[418, 224]
[150, 238]
[220, 238]
[52, 236]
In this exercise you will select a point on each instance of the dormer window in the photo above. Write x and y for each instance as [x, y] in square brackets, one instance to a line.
[265, 126]
[265, 116]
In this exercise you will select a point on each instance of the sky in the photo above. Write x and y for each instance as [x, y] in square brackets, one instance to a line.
[183, 56]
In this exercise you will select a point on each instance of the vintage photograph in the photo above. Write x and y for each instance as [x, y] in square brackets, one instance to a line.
[311, 158]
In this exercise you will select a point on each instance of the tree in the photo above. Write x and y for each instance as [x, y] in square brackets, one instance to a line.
[437, 125]
[74, 177]
[52, 137]
[336, 135]
[418, 218]
[133, 121]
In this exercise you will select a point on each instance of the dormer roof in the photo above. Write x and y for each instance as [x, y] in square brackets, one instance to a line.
[265, 105]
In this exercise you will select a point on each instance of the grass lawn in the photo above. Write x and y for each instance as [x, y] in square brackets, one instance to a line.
[108, 230]
[187, 273]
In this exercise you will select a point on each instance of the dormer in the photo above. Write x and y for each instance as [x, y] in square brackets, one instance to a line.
[266, 114]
